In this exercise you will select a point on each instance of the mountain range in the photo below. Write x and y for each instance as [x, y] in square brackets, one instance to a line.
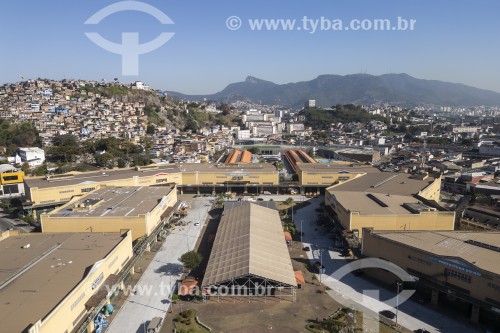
[328, 90]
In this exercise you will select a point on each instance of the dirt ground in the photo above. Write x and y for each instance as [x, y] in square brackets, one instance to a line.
[231, 315]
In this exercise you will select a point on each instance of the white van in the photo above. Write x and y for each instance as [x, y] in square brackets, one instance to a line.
[155, 325]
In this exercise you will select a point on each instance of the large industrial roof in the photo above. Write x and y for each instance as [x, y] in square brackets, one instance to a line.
[358, 151]
[267, 204]
[249, 241]
[334, 167]
[76, 178]
[110, 175]
[375, 204]
[115, 202]
[47, 271]
[481, 249]
[392, 183]
[227, 168]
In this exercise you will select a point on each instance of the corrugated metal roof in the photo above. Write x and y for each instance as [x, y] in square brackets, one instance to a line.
[249, 241]
[386, 183]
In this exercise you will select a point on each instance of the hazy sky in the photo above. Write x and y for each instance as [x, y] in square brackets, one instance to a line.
[456, 41]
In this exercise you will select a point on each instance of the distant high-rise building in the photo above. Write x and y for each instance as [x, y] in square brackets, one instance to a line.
[311, 103]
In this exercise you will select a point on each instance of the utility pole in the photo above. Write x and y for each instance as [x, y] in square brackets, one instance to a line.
[320, 264]
[301, 244]
[397, 302]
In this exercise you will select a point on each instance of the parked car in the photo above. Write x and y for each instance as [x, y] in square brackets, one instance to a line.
[345, 252]
[196, 224]
[388, 314]
[155, 325]
[306, 248]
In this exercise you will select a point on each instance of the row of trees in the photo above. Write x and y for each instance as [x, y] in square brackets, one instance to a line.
[108, 152]
[15, 135]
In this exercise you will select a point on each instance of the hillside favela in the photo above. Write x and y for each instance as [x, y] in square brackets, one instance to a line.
[315, 167]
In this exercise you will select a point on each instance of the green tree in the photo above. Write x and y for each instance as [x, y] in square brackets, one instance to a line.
[25, 167]
[65, 149]
[66, 140]
[62, 154]
[191, 124]
[191, 260]
[105, 160]
[153, 115]
[140, 160]
[5, 204]
[122, 163]
[40, 170]
[225, 108]
[253, 150]
[14, 135]
[468, 142]
[147, 143]
[150, 129]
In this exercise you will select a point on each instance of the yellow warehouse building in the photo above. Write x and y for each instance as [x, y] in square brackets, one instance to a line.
[388, 201]
[51, 282]
[326, 174]
[55, 190]
[111, 209]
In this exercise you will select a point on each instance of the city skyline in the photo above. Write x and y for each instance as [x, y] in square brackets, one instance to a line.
[450, 42]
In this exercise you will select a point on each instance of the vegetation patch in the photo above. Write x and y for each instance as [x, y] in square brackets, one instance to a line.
[186, 322]
[322, 119]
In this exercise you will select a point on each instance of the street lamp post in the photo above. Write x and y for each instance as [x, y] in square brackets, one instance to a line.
[301, 233]
[398, 284]
[171, 305]
[320, 264]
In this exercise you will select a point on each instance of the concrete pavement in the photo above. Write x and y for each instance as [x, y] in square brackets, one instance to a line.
[153, 291]
[18, 224]
[349, 290]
